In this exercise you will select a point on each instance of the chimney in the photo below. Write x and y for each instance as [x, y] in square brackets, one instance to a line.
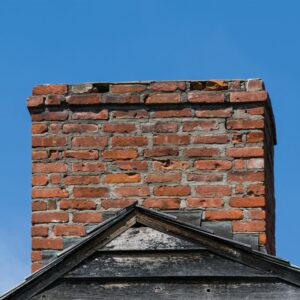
[176, 145]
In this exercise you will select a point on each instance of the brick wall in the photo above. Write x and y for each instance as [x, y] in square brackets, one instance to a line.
[98, 147]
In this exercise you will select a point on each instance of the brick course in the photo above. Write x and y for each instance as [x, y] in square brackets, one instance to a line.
[167, 145]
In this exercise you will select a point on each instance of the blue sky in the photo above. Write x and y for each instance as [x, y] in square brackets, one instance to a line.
[54, 41]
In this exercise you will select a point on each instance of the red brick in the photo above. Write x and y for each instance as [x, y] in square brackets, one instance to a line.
[162, 203]
[213, 164]
[122, 178]
[82, 154]
[255, 137]
[257, 214]
[247, 201]
[162, 177]
[254, 85]
[245, 152]
[255, 163]
[178, 190]
[116, 203]
[79, 128]
[87, 217]
[55, 155]
[129, 191]
[84, 99]
[47, 243]
[194, 152]
[39, 128]
[129, 141]
[248, 226]
[81, 180]
[170, 165]
[40, 180]
[160, 127]
[162, 98]
[131, 114]
[54, 99]
[101, 115]
[77, 204]
[36, 255]
[205, 177]
[89, 167]
[255, 110]
[55, 128]
[36, 155]
[245, 176]
[38, 206]
[160, 151]
[211, 139]
[239, 164]
[49, 193]
[52, 204]
[69, 230]
[35, 101]
[212, 113]
[168, 86]
[213, 190]
[48, 141]
[50, 116]
[119, 127]
[245, 124]
[256, 189]
[248, 96]
[39, 231]
[90, 192]
[172, 139]
[228, 214]
[88, 141]
[127, 88]
[204, 202]
[120, 154]
[132, 165]
[173, 113]
[206, 97]
[49, 217]
[36, 266]
[199, 125]
[50, 89]
[239, 189]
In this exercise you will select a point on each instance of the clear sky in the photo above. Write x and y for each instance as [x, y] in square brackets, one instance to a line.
[72, 41]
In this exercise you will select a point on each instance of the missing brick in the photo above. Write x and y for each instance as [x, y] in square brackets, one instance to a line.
[101, 87]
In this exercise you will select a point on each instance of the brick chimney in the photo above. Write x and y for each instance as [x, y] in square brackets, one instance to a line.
[98, 147]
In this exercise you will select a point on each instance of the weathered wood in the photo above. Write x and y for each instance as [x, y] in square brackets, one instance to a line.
[240, 253]
[130, 264]
[175, 290]
[70, 259]
[147, 238]
[161, 279]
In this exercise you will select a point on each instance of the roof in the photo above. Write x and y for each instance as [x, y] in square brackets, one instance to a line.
[264, 264]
